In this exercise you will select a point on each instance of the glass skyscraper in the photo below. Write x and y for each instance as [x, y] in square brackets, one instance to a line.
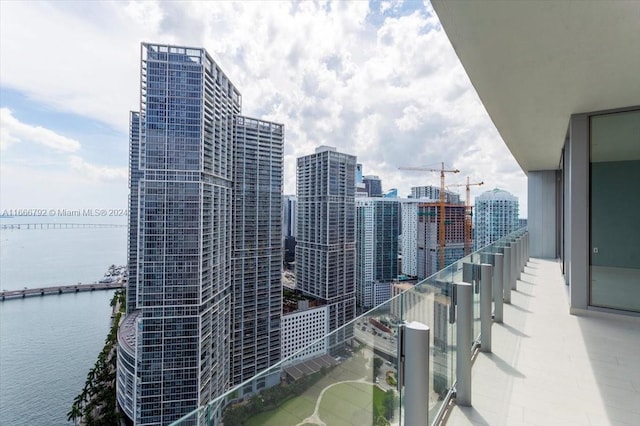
[377, 229]
[191, 205]
[257, 249]
[325, 250]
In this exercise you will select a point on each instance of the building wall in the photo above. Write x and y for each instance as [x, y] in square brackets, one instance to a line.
[132, 241]
[183, 290]
[409, 212]
[433, 193]
[377, 228]
[387, 229]
[577, 211]
[496, 215]
[381, 293]
[428, 261]
[365, 252]
[542, 213]
[257, 247]
[181, 239]
[373, 185]
[325, 250]
[289, 214]
[300, 330]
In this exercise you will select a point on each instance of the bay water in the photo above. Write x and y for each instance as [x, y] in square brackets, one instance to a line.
[49, 343]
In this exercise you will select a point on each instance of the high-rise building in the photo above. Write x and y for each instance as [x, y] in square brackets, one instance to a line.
[190, 238]
[428, 258]
[420, 236]
[325, 250]
[496, 215]
[392, 193]
[373, 184]
[289, 217]
[377, 229]
[358, 173]
[409, 245]
[433, 193]
[257, 248]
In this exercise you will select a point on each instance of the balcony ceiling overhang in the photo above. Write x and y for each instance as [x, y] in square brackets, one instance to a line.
[535, 63]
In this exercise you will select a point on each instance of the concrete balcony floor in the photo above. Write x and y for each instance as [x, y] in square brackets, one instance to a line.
[552, 368]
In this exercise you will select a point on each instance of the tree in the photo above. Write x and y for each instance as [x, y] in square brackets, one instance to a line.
[377, 363]
[389, 403]
[74, 413]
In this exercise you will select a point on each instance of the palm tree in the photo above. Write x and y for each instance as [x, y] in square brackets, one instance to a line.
[74, 414]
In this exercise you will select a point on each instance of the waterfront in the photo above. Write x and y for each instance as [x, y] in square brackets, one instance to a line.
[48, 344]
[47, 347]
[48, 257]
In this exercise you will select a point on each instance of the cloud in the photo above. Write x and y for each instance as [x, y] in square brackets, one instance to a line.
[95, 172]
[379, 80]
[13, 130]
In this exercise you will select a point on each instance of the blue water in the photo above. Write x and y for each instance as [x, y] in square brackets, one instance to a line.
[48, 344]
[47, 257]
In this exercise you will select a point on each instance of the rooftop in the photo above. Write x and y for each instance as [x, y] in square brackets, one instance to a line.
[127, 332]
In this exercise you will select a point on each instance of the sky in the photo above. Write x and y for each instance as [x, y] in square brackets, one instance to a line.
[378, 79]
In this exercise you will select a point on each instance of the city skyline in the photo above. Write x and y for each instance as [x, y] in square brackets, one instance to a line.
[62, 128]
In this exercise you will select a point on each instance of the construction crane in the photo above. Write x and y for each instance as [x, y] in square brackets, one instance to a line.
[468, 216]
[441, 233]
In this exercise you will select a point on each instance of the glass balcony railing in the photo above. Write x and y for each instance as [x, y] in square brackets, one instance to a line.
[351, 375]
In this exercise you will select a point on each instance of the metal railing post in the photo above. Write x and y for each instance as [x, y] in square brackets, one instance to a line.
[496, 282]
[414, 357]
[519, 258]
[486, 278]
[463, 343]
[523, 242]
[469, 274]
[513, 266]
[498, 286]
[506, 275]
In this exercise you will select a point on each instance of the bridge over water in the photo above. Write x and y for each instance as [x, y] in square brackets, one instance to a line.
[61, 289]
[55, 225]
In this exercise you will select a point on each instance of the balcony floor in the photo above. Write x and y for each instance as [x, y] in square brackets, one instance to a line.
[552, 368]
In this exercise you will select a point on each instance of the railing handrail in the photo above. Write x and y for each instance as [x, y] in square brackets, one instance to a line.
[213, 404]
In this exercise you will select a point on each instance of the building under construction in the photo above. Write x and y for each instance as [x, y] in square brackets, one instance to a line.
[429, 259]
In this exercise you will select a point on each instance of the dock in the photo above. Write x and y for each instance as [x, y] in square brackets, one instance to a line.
[62, 289]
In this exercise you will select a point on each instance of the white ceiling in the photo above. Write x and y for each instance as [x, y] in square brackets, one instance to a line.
[534, 63]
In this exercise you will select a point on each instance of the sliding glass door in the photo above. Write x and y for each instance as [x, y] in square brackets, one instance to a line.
[615, 210]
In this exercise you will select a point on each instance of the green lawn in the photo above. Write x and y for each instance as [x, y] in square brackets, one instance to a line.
[350, 404]
[291, 412]
[298, 408]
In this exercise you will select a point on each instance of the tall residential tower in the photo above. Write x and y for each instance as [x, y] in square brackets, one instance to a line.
[325, 250]
[377, 229]
[199, 175]
[496, 215]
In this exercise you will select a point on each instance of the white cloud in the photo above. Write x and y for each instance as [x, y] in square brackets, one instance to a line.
[94, 172]
[393, 93]
[13, 130]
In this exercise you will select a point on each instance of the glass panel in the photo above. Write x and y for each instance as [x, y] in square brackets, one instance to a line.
[350, 375]
[614, 207]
